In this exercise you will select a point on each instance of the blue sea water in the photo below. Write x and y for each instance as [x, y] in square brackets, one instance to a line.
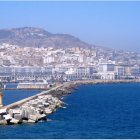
[11, 96]
[93, 111]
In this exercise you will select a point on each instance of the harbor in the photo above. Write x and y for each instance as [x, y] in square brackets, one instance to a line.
[92, 111]
[39, 106]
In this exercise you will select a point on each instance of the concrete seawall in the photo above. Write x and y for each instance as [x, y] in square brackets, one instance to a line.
[39, 106]
[18, 103]
[103, 82]
[32, 109]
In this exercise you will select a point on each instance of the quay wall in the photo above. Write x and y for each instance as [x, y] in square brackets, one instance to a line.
[103, 81]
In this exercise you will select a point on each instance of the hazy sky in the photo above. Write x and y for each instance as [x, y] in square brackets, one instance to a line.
[108, 24]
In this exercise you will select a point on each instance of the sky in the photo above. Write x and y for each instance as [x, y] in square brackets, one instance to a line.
[111, 24]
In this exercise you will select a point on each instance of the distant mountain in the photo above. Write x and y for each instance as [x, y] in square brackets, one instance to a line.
[37, 37]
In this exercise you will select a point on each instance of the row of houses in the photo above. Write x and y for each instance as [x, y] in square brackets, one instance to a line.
[101, 71]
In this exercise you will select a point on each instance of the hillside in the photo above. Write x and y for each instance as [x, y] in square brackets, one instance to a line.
[37, 37]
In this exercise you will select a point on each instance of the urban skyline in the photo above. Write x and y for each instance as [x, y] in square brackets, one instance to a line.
[66, 64]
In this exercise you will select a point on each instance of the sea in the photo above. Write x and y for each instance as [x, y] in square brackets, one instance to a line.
[101, 111]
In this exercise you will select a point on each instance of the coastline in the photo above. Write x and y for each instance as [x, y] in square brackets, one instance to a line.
[72, 85]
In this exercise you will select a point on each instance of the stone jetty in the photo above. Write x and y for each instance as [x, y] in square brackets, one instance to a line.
[31, 111]
[34, 108]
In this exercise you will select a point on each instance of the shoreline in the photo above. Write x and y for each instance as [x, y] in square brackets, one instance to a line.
[74, 84]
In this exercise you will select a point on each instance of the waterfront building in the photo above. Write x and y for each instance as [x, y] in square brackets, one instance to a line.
[83, 71]
[105, 67]
[106, 70]
[70, 71]
[135, 71]
[127, 70]
[120, 72]
[48, 59]
[107, 75]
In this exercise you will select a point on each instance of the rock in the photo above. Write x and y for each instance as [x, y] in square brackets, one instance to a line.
[41, 116]
[16, 111]
[34, 104]
[33, 117]
[30, 102]
[50, 102]
[41, 106]
[46, 104]
[52, 107]
[24, 113]
[40, 103]
[24, 121]
[3, 111]
[7, 117]
[1, 117]
[36, 100]
[48, 96]
[3, 122]
[14, 121]
[45, 99]
[54, 110]
[44, 117]
[31, 110]
[47, 111]
[18, 117]
[31, 121]
[40, 97]
[27, 111]
[39, 110]
[10, 111]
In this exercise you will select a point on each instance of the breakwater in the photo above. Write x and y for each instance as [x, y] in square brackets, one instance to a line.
[38, 107]
[34, 108]
[82, 82]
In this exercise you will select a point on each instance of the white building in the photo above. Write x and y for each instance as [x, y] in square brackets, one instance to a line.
[106, 70]
[107, 75]
[70, 71]
[48, 59]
